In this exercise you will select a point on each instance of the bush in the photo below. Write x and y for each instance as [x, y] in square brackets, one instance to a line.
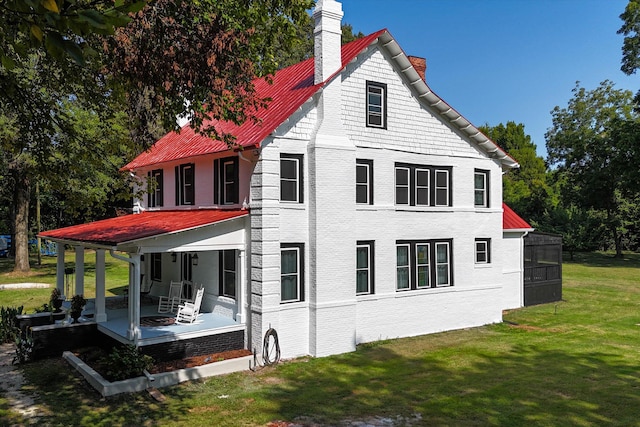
[125, 362]
[24, 347]
[8, 328]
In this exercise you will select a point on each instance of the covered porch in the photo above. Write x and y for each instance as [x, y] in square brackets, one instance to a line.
[201, 248]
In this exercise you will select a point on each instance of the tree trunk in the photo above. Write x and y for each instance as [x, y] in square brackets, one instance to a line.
[21, 221]
[618, 240]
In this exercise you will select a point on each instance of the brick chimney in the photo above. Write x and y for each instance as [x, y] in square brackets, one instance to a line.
[420, 64]
[327, 38]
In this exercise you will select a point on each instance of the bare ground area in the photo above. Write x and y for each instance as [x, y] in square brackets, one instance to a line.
[11, 382]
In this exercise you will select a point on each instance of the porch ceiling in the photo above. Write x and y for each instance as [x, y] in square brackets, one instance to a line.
[120, 231]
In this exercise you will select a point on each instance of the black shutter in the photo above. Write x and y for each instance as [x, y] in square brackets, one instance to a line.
[149, 199]
[236, 182]
[160, 188]
[178, 186]
[216, 182]
[220, 273]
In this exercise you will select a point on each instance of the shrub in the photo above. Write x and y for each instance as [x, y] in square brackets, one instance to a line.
[125, 362]
[8, 328]
[24, 346]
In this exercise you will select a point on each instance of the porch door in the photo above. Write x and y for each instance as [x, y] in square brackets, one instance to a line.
[187, 274]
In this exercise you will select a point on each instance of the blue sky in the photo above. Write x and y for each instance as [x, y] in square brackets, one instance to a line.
[501, 60]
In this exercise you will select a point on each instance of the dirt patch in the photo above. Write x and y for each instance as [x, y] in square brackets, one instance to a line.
[192, 362]
[92, 355]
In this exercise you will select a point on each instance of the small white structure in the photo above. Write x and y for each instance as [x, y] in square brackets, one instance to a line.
[375, 208]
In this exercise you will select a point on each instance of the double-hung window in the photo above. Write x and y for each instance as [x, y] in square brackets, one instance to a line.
[376, 105]
[481, 188]
[364, 267]
[155, 186]
[291, 182]
[483, 251]
[421, 185]
[291, 272]
[227, 262]
[364, 181]
[443, 187]
[403, 267]
[225, 181]
[423, 264]
[185, 184]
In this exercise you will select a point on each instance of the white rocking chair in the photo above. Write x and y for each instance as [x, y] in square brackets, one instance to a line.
[188, 312]
[170, 302]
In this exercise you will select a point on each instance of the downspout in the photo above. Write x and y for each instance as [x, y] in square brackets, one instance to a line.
[133, 332]
[522, 268]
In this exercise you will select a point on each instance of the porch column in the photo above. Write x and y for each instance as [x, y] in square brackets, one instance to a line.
[79, 270]
[60, 268]
[241, 265]
[133, 332]
[100, 313]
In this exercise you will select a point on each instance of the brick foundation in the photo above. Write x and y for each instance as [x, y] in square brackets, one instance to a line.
[196, 346]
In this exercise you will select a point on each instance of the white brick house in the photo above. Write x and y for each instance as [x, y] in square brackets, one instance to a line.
[363, 207]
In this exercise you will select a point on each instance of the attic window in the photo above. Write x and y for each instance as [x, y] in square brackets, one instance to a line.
[376, 105]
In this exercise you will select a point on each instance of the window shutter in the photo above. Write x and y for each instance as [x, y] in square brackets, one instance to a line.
[216, 182]
[236, 182]
[148, 192]
[160, 187]
[177, 174]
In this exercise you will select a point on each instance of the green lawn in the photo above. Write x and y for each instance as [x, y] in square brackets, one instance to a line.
[574, 363]
[117, 277]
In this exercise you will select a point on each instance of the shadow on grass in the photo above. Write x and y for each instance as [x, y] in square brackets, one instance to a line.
[603, 259]
[457, 384]
[521, 387]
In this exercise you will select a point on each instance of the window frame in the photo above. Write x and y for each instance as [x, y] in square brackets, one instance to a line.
[427, 264]
[417, 187]
[223, 285]
[487, 250]
[298, 248]
[432, 187]
[299, 179]
[185, 184]
[433, 264]
[155, 180]
[222, 195]
[403, 186]
[404, 266]
[368, 165]
[485, 191]
[371, 87]
[370, 268]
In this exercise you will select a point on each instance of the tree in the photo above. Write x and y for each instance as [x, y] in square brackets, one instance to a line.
[524, 189]
[58, 26]
[584, 145]
[199, 60]
[631, 44]
[53, 53]
[302, 47]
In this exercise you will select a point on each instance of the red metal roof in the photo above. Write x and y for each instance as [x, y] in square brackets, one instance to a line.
[113, 231]
[512, 221]
[291, 87]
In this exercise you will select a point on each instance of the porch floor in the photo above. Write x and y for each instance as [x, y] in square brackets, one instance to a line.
[207, 324]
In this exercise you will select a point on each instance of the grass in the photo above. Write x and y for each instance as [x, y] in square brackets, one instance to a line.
[572, 363]
[117, 278]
